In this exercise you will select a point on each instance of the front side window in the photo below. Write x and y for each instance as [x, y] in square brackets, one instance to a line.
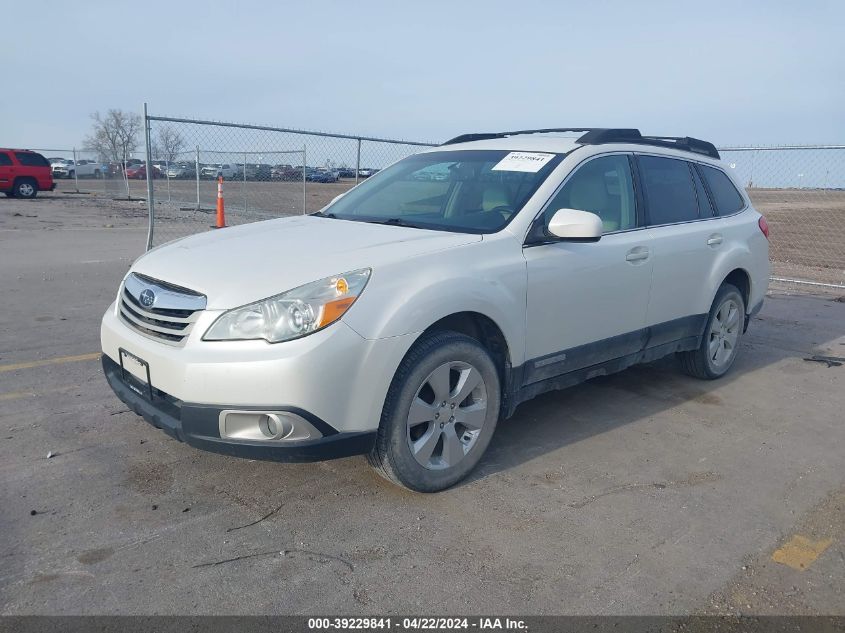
[669, 190]
[31, 159]
[728, 200]
[4, 159]
[475, 191]
[602, 186]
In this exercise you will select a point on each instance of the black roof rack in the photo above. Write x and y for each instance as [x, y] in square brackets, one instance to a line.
[600, 136]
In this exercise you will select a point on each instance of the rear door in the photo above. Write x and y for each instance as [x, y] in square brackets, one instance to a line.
[7, 172]
[587, 302]
[686, 241]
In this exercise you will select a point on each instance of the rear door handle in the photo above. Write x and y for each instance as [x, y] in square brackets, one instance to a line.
[637, 254]
[714, 240]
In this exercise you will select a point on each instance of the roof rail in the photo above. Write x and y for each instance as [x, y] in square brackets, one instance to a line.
[483, 136]
[684, 143]
[601, 136]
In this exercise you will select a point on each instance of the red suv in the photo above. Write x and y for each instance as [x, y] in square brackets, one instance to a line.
[23, 173]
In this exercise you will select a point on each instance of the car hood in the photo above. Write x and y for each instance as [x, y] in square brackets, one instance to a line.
[239, 265]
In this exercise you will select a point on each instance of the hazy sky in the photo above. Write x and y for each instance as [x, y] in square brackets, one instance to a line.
[730, 72]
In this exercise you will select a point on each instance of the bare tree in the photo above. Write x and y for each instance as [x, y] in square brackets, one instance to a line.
[168, 144]
[115, 135]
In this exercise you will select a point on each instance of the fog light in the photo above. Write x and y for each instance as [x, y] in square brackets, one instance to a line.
[273, 427]
[265, 425]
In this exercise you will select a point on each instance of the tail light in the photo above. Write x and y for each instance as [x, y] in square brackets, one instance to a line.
[764, 226]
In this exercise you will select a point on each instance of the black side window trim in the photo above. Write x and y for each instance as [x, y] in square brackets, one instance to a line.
[708, 202]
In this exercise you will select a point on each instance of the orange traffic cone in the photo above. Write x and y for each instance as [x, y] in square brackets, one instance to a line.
[221, 210]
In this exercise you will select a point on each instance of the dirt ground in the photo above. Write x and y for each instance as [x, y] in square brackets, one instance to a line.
[646, 492]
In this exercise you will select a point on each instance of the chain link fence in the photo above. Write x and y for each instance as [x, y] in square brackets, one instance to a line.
[272, 172]
[267, 172]
[801, 191]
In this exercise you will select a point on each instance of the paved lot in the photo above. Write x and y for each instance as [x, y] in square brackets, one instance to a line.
[642, 493]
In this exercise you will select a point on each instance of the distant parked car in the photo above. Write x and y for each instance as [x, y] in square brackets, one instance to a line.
[263, 172]
[181, 170]
[366, 173]
[226, 170]
[320, 176]
[346, 172]
[61, 167]
[139, 172]
[24, 173]
[285, 172]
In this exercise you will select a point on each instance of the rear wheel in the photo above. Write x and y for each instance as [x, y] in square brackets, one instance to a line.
[720, 343]
[25, 188]
[439, 415]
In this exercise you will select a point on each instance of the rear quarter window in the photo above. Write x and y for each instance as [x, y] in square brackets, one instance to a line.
[725, 196]
[4, 159]
[31, 159]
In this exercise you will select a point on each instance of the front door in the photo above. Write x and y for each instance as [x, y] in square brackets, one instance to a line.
[587, 302]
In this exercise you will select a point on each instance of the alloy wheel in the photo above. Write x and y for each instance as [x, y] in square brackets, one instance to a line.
[446, 415]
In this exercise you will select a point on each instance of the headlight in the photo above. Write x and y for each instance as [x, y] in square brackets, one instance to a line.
[292, 314]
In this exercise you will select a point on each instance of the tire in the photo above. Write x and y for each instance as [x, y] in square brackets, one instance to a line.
[450, 434]
[25, 188]
[722, 337]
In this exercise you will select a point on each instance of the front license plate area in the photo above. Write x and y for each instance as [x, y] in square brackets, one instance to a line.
[135, 372]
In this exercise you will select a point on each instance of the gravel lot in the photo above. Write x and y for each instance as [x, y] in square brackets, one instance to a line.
[642, 493]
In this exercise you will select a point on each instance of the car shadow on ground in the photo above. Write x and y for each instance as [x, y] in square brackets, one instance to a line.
[557, 419]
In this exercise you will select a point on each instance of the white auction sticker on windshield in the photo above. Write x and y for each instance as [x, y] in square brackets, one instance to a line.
[523, 161]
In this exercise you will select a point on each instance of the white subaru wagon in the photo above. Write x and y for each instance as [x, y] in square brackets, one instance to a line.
[410, 315]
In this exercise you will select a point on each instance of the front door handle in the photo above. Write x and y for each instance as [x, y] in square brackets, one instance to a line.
[714, 240]
[637, 254]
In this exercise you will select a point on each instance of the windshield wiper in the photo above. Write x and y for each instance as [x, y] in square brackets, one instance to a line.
[395, 222]
[320, 214]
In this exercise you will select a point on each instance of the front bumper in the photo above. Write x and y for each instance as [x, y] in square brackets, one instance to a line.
[197, 425]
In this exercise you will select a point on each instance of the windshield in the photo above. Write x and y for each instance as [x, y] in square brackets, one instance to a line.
[473, 191]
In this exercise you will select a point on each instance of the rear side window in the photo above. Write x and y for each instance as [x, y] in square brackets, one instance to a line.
[669, 190]
[31, 160]
[728, 200]
[4, 159]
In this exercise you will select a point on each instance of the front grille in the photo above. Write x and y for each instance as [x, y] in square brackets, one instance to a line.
[159, 310]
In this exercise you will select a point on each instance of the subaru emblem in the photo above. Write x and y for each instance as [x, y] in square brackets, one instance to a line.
[147, 298]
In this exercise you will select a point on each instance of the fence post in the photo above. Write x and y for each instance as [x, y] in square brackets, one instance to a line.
[198, 177]
[304, 195]
[358, 162]
[125, 177]
[243, 184]
[149, 174]
[167, 175]
[75, 171]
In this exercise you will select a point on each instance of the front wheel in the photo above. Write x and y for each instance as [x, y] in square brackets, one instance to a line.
[720, 343]
[439, 414]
